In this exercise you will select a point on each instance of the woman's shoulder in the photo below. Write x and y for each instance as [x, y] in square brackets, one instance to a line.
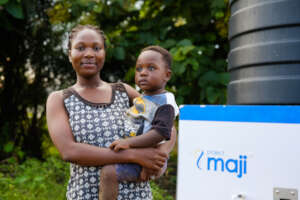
[54, 100]
[60, 95]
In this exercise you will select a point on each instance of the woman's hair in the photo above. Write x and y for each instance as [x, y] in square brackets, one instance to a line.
[79, 28]
[167, 57]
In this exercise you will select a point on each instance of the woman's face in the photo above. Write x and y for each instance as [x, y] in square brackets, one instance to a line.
[87, 53]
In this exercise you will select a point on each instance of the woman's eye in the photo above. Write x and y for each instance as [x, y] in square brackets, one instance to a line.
[97, 48]
[81, 48]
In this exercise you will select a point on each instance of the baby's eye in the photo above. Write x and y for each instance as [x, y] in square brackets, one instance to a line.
[138, 69]
[151, 68]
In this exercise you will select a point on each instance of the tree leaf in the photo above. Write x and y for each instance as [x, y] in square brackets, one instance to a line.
[21, 179]
[218, 4]
[2, 2]
[178, 68]
[177, 55]
[146, 38]
[186, 49]
[169, 43]
[119, 53]
[179, 100]
[211, 95]
[15, 10]
[98, 8]
[129, 76]
[9, 147]
[39, 179]
[224, 78]
[195, 64]
[185, 42]
[210, 76]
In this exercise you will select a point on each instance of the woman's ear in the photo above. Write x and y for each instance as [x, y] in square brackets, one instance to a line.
[69, 55]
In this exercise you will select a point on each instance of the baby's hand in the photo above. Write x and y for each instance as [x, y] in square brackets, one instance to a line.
[119, 145]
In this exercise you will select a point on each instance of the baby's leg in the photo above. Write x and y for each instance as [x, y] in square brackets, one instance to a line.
[128, 172]
[109, 186]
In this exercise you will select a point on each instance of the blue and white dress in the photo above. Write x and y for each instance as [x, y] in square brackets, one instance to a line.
[98, 124]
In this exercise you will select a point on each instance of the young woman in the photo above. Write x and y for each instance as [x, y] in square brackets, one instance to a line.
[84, 119]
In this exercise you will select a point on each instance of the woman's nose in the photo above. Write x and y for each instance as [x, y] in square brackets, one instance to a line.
[89, 52]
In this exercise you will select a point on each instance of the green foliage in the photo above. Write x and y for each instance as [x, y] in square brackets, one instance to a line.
[2, 2]
[33, 179]
[44, 180]
[33, 62]
[205, 80]
[8, 147]
[30, 64]
[14, 8]
[33, 58]
[159, 194]
[119, 53]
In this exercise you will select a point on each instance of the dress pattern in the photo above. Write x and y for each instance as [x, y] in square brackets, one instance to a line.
[98, 124]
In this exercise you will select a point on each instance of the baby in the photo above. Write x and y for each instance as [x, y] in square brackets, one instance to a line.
[149, 121]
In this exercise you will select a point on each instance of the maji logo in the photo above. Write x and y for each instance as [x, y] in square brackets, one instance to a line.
[214, 160]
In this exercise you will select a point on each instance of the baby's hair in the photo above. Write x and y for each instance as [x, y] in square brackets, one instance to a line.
[167, 57]
[79, 28]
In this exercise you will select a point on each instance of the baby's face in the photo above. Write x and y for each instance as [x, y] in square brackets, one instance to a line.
[151, 72]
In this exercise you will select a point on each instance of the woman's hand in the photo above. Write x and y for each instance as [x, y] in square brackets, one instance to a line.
[165, 148]
[151, 158]
[147, 174]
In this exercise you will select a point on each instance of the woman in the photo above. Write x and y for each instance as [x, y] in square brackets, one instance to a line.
[84, 119]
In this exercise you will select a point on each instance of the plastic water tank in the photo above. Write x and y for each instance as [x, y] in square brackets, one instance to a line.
[264, 57]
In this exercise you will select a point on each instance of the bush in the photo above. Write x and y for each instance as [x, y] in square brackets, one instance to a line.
[33, 179]
[44, 180]
[159, 194]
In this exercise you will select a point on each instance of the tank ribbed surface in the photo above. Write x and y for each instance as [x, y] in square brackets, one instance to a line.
[264, 57]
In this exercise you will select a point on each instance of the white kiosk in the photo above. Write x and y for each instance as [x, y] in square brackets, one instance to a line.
[238, 153]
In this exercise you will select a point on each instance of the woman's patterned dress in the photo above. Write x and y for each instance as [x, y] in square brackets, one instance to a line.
[98, 124]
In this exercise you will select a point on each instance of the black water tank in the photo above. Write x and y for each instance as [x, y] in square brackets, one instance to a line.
[264, 57]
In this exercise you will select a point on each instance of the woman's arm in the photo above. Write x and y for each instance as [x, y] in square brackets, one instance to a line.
[89, 155]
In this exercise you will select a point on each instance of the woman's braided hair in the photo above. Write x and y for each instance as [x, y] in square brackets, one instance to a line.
[79, 28]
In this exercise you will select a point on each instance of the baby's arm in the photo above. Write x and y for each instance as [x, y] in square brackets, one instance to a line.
[149, 139]
[161, 130]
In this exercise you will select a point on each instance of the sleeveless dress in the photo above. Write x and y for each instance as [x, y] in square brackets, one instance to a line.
[98, 124]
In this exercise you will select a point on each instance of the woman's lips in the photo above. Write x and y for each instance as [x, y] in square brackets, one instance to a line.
[88, 64]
